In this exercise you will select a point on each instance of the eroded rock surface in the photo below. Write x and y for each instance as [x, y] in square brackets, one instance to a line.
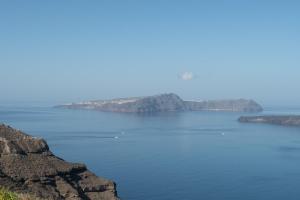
[28, 166]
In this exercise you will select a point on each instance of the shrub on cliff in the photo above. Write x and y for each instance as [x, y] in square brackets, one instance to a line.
[7, 195]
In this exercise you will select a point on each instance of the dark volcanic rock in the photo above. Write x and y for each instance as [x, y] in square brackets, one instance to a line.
[28, 166]
[165, 103]
[285, 120]
[160, 103]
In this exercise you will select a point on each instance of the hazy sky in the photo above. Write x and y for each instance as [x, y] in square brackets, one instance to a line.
[75, 50]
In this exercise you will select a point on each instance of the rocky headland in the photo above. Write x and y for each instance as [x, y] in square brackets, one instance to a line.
[27, 166]
[165, 103]
[284, 120]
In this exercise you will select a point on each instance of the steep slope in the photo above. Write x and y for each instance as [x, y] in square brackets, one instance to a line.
[28, 166]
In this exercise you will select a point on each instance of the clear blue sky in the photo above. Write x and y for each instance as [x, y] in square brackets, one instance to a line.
[75, 50]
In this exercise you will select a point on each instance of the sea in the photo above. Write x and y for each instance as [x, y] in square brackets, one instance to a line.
[173, 156]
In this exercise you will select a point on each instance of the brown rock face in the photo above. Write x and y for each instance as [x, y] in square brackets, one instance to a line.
[28, 166]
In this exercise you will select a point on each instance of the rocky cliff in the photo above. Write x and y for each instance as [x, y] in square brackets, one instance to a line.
[165, 103]
[28, 166]
[287, 120]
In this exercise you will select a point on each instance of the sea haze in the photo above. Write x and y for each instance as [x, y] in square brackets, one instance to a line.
[173, 156]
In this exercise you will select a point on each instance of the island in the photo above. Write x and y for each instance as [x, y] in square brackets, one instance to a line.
[28, 167]
[284, 120]
[164, 103]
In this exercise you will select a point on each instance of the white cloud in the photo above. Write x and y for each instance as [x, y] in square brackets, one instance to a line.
[187, 76]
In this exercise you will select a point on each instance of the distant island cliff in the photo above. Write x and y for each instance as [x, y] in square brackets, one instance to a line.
[284, 120]
[27, 166]
[164, 103]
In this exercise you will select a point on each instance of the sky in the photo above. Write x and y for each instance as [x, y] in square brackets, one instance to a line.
[71, 50]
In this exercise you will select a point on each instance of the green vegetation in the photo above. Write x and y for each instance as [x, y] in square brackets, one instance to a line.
[7, 195]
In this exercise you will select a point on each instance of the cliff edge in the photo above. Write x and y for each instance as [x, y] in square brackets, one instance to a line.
[28, 166]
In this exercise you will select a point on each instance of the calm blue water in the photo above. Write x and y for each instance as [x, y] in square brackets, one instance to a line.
[174, 156]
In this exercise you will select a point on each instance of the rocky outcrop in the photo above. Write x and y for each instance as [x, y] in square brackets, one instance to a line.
[28, 166]
[286, 120]
[165, 103]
